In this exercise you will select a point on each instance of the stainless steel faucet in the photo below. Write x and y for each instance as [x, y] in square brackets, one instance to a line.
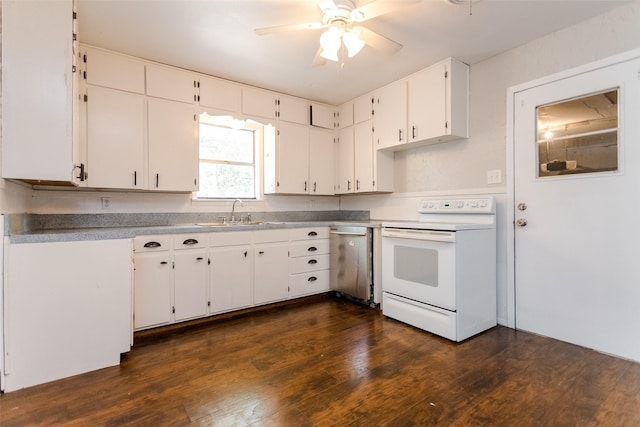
[233, 209]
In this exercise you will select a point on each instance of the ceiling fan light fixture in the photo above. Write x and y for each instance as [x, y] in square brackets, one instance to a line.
[330, 40]
[353, 42]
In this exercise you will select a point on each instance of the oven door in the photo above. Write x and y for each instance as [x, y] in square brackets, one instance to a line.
[420, 265]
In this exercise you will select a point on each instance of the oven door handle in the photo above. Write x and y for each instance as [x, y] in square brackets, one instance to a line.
[428, 235]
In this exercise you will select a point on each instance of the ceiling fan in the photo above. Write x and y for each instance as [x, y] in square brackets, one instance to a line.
[344, 36]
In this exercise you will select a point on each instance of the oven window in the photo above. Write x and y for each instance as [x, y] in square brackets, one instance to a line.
[416, 265]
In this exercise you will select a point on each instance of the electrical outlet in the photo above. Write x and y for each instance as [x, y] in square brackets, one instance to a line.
[106, 203]
[494, 176]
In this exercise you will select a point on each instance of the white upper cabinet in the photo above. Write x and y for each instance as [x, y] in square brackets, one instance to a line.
[173, 146]
[39, 90]
[260, 103]
[363, 156]
[115, 138]
[438, 103]
[390, 115]
[345, 177]
[345, 115]
[363, 108]
[321, 162]
[113, 70]
[324, 116]
[171, 83]
[294, 110]
[291, 160]
[219, 94]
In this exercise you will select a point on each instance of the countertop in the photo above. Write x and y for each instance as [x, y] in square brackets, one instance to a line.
[105, 233]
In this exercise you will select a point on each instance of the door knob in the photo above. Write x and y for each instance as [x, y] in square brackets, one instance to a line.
[521, 222]
[522, 206]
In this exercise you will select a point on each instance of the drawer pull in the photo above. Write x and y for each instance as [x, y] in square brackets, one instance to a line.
[312, 249]
[312, 261]
[312, 279]
[312, 233]
[199, 258]
[152, 245]
[190, 242]
[163, 263]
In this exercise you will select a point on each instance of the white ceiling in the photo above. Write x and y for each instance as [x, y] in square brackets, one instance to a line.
[216, 37]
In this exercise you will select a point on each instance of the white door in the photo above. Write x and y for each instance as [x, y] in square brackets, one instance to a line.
[578, 189]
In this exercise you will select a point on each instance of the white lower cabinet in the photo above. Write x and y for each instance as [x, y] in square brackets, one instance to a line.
[190, 278]
[67, 309]
[271, 269]
[152, 297]
[231, 271]
[309, 262]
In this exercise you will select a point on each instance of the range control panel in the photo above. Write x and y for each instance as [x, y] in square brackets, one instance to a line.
[479, 205]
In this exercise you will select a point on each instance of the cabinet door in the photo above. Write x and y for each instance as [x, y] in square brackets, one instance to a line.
[345, 175]
[231, 278]
[363, 108]
[38, 91]
[173, 146]
[363, 153]
[171, 83]
[323, 116]
[220, 94]
[345, 115]
[115, 138]
[427, 104]
[294, 110]
[114, 71]
[260, 103]
[321, 162]
[271, 272]
[152, 296]
[190, 284]
[292, 151]
[390, 118]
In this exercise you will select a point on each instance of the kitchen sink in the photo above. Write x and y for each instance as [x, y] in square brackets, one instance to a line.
[227, 224]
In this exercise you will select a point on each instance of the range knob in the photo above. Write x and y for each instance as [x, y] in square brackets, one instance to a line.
[459, 204]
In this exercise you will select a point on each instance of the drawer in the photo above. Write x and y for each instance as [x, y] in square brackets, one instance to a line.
[310, 247]
[152, 243]
[268, 236]
[230, 238]
[305, 264]
[310, 233]
[190, 241]
[308, 283]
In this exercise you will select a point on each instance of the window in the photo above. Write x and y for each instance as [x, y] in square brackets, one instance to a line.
[227, 160]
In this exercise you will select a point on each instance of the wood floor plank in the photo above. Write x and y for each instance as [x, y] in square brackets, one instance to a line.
[325, 362]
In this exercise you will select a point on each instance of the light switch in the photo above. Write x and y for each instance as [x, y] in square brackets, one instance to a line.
[494, 176]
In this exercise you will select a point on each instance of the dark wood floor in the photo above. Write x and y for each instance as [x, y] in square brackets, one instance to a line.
[331, 362]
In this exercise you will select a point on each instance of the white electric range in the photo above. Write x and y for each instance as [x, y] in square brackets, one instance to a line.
[439, 273]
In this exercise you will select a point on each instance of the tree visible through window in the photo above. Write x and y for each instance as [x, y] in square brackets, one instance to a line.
[227, 162]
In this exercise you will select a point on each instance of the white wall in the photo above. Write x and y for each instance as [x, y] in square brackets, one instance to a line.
[460, 167]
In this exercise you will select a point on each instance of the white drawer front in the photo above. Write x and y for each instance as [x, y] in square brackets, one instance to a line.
[152, 243]
[268, 236]
[309, 283]
[310, 247]
[305, 264]
[310, 233]
[190, 241]
[230, 238]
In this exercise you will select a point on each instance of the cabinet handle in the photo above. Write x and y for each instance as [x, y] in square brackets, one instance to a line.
[261, 253]
[157, 180]
[312, 279]
[190, 242]
[163, 263]
[305, 186]
[312, 249]
[349, 185]
[357, 184]
[152, 245]
[199, 258]
[135, 178]
[314, 186]
[312, 233]
[245, 254]
[399, 134]
[83, 174]
[312, 261]
[413, 132]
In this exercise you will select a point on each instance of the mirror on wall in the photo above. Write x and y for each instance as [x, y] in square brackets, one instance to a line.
[578, 135]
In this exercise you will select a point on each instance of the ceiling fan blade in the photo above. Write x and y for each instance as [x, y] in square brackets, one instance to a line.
[291, 27]
[376, 8]
[318, 60]
[378, 42]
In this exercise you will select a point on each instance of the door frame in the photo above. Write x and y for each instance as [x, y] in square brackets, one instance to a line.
[510, 151]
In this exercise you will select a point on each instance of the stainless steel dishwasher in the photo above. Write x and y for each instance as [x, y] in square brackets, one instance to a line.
[352, 262]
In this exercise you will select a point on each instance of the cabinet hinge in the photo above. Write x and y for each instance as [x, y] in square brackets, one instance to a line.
[73, 68]
[277, 183]
[446, 74]
[84, 75]
[85, 97]
[74, 37]
[446, 125]
[374, 184]
[173, 309]
[84, 58]
[208, 303]
[173, 265]
[208, 261]
[75, 15]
